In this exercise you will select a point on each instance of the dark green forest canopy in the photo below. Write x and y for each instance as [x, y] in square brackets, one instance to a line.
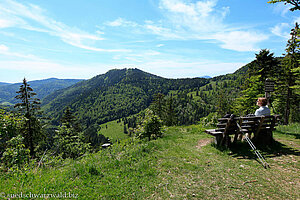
[113, 95]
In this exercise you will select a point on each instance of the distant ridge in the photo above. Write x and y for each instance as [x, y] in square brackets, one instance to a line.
[2, 83]
[41, 87]
[207, 77]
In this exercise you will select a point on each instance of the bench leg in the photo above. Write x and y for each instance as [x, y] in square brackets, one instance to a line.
[218, 139]
[236, 136]
[227, 140]
[264, 138]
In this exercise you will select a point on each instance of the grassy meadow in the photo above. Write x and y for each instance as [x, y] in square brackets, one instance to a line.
[113, 130]
[181, 165]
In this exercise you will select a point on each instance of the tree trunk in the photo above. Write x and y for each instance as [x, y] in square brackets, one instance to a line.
[287, 107]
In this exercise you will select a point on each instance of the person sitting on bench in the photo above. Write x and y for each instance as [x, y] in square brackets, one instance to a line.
[263, 110]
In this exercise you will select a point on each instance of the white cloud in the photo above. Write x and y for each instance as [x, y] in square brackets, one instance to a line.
[4, 23]
[121, 22]
[204, 20]
[282, 30]
[32, 17]
[163, 32]
[177, 69]
[97, 49]
[35, 70]
[160, 45]
[141, 56]
[5, 50]
[281, 8]
[199, 20]
[240, 40]
[201, 16]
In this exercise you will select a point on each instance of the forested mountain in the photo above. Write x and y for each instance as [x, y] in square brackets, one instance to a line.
[116, 94]
[2, 83]
[204, 77]
[41, 87]
[222, 90]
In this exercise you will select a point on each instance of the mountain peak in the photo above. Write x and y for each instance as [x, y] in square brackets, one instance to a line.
[206, 76]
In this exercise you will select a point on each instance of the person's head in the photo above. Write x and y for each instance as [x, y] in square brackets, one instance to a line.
[261, 101]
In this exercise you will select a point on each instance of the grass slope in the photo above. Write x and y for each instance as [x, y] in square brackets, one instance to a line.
[181, 165]
[114, 131]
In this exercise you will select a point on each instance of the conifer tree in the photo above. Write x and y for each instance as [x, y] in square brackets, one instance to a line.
[68, 118]
[264, 65]
[170, 112]
[29, 107]
[70, 142]
[158, 104]
[287, 80]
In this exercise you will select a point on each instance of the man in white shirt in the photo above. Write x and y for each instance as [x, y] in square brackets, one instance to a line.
[263, 110]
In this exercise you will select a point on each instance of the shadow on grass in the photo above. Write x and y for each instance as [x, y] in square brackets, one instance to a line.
[242, 150]
[297, 136]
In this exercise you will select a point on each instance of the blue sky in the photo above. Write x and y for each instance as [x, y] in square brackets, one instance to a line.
[170, 38]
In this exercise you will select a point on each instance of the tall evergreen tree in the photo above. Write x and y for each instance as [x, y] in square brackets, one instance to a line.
[251, 91]
[158, 104]
[170, 112]
[264, 65]
[29, 107]
[287, 80]
[223, 103]
[68, 118]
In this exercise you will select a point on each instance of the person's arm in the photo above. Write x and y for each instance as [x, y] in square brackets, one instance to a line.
[257, 113]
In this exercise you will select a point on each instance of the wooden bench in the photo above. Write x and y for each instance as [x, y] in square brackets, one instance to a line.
[225, 128]
[262, 128]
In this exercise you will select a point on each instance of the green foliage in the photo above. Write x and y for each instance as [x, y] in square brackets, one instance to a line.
[181, 165]
[287, 97]
[170, 113]
[294, 3]
[69, 143]
[94, 138]
[179, 108]
[224, 103]
[15, 154]
[32, 127]
[10, 126]
[265, 65]
[114, 95]
[158, 104]
[151, 126]
[246, 104]
[210, 120]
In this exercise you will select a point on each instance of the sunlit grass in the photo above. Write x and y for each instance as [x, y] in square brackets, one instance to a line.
[181, 165]
[113, 130]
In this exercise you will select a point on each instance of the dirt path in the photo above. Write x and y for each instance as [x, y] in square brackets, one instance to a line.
[203, 142]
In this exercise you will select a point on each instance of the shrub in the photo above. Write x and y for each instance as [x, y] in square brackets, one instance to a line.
[15, 154]
[151, 126]
[69, 143]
